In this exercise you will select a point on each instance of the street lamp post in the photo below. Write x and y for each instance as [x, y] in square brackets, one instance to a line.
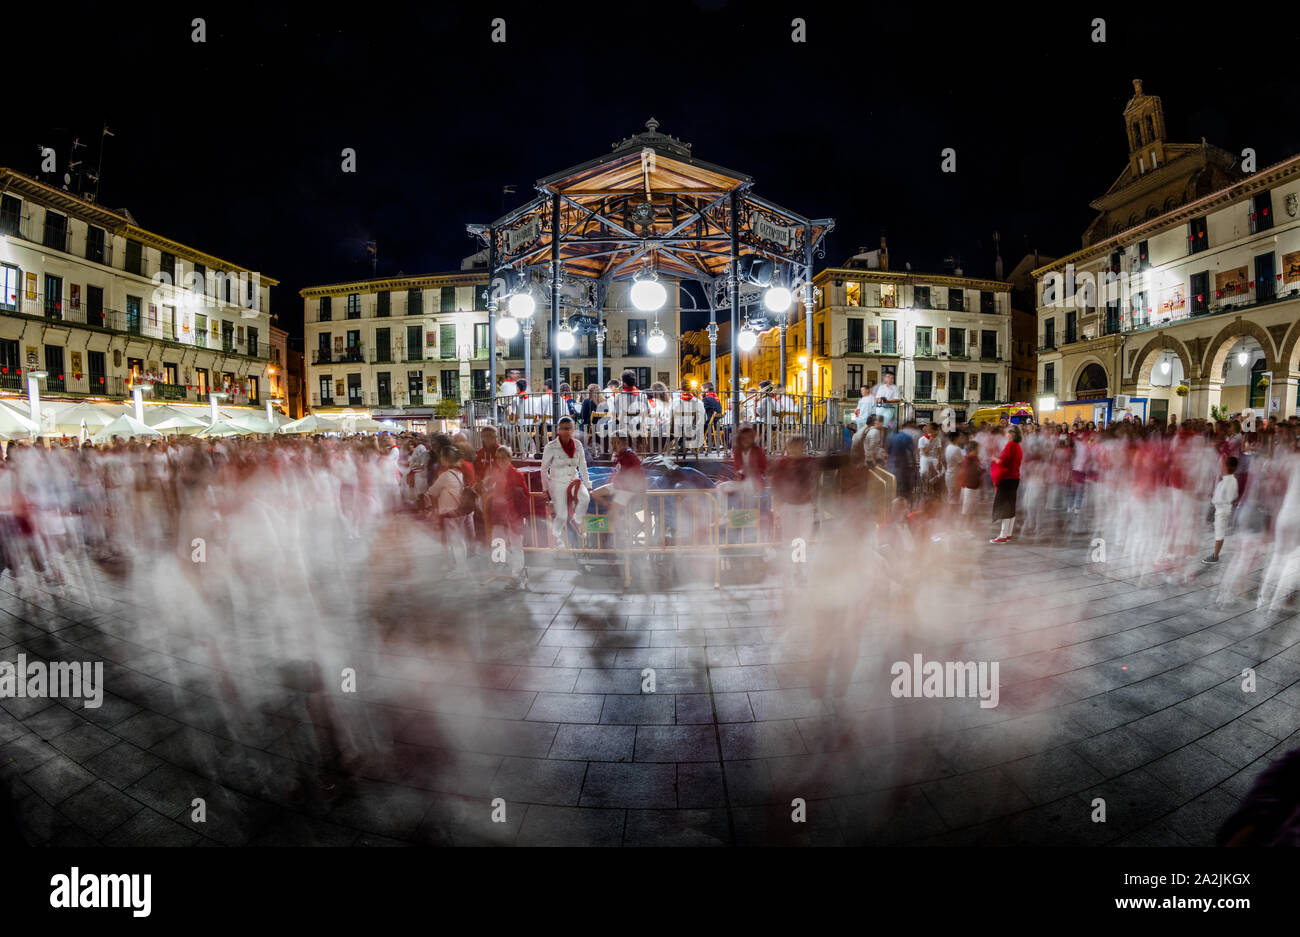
[212, 399]
[34, 394]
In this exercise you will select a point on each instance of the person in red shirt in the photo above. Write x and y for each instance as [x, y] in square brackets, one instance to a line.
[749, 460]
[506, 506]
[628, 486]
[1005, 471]
[486, 455]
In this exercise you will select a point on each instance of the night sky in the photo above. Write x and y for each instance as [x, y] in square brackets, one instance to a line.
[234, 146]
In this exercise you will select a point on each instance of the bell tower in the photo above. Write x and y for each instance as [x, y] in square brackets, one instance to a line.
[1144, 121]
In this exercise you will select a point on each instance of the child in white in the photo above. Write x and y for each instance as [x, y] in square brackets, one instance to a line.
[1225, 493]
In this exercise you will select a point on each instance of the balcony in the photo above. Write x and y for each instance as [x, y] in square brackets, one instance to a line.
[850, 346]
[384, 398]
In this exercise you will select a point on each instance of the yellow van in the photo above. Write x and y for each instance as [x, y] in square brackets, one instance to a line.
[1010, 413]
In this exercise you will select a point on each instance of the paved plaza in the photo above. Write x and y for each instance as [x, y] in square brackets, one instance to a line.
[1112, 687]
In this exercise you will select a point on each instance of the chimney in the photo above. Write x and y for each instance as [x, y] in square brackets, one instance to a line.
[884, 254]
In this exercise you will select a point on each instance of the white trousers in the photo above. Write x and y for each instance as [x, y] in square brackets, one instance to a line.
[560, 505]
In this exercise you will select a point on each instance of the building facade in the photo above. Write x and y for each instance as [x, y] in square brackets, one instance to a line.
[101, 306]
[1188, 313]
[395, 347]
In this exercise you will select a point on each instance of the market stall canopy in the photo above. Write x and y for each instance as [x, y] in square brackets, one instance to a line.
[126, 427]
[360, 424]
[254, 424]
[223, 428]
[162, 414]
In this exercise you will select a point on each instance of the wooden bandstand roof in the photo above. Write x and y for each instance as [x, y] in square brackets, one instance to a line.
[650, 200]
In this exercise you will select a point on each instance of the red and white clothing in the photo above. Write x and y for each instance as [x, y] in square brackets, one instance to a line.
[561, 465]
[688, 419]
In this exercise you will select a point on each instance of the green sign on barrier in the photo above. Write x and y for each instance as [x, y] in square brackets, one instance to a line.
[597, 523]
[747, 518]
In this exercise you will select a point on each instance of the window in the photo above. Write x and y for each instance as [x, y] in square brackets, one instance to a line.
[252, 341]
[1049, 378]
[1071, 327]
[888, 296]
[53, 297]
[95, 244]
[447, 299]
[353, 352]
[988, 345]
[1196, 239]
[481, 340]
[323, 312]
[955, 386]
[957, 300]
[136, 367]
[924, 340]
[636, 338]
[227, 336]
[97, 371]
[1261, 212]
[384, 386]
[1139, 312]
[95, 305]
[354, 305]
[415, 387]
[326, 390]
[988, 301]
[56, 231]
[1143, 257]
[1265, 279]
[11, 210]
[169, 374]
[134, 261]
[414, 303]
[853, 294]
[199, 282]
[988, 386]
[924, 385]
[413, 350]
[382, 303]
[855, 379]
[888, 337]
[169, 322]
[481, 298]
[383, 346]
[167, 265]
[1049, 335]
[201, 331]
[446, 341]
[10, 278]
[854, 345]
[921, 297]
[449, 383]
[479, 385]
[254, 390]
[1112, 317]
[54, 368]
[957, 342]
[355, 397]
[1200, 293]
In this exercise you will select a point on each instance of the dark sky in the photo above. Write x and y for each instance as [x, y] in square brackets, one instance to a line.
[233, 146]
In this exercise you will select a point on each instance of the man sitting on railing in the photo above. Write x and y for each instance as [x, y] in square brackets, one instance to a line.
[629, 410]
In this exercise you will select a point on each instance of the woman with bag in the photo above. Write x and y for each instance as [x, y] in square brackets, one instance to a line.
[447, 496]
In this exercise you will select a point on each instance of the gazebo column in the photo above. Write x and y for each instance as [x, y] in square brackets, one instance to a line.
[555, 310]
[494, 386]
[735, 312]
[808, 321]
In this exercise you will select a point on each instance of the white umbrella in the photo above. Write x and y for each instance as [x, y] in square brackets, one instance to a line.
[311, 423]
[13, 425]
[125, 426]
[221, 428]
[361, 424]
[160, 414]
[68, 421]
[254, 424]
[182, 423]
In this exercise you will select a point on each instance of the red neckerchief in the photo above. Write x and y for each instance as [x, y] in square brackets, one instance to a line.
[568, 446]
[687, 397]
[522, 396]
[630, 390]
[711, 394]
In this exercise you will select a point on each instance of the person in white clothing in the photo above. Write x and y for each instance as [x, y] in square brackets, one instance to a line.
[1225, 494]
[563, 461]
[687, 419]
[886, 389]
[865, 409]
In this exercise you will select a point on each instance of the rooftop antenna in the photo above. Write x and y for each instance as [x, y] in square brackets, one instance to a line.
[99, 170]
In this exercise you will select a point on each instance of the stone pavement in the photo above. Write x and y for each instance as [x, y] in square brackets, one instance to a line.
[1112, 687]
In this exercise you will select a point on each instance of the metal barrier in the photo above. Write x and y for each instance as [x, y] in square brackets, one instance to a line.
[525, 425]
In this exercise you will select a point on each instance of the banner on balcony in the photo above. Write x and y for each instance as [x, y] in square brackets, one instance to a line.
[1291, 267]
[31, 286]
[74, 295]
[1233, 282]
[76, 365]
[1174, 300]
